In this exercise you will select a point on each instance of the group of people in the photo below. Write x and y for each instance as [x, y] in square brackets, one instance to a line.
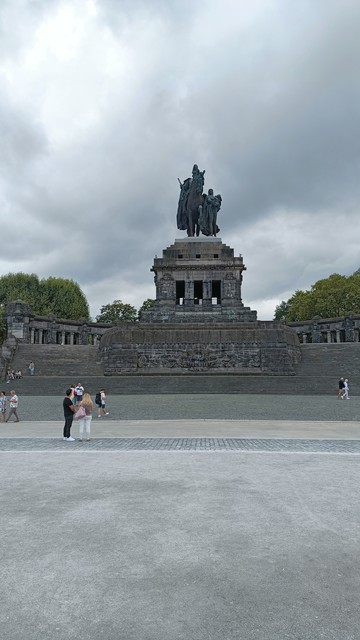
[343, 392]
[13, 375]
[79, 405]
[13, 404]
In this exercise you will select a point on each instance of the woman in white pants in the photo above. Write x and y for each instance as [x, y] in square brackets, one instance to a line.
[85, 422]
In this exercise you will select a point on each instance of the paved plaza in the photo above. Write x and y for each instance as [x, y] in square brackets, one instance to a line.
[179, 529]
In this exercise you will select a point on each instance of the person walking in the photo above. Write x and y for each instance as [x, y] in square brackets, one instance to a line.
[2, 406]
[85, 422]
[69, 411]
[14, 403]
[346, 390]
[31, 368]
[341, 388]
[100, 400]
[78, 393]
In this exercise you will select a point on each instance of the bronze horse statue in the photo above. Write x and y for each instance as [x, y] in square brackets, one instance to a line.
[190, 202]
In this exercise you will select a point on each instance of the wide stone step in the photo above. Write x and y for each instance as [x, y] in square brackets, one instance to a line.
[73, 361]
[59, 366]
[186, 384]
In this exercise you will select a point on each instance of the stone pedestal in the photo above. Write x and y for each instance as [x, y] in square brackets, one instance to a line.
[199, 280]
[199, 323]
[175, 348]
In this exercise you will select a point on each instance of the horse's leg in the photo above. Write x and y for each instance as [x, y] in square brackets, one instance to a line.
[191, 225]
[197, 226]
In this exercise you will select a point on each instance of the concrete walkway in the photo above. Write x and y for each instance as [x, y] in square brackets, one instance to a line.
[105, 428]
[159, 545]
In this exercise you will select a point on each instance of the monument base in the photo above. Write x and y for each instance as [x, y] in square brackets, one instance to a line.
[264, 348]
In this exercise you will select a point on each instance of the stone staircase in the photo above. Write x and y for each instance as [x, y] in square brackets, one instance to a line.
[57, 366]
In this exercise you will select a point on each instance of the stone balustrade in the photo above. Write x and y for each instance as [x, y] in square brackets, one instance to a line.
[330, 330]
[31, 329]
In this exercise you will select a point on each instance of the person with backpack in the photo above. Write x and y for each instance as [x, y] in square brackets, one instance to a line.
[100, 401]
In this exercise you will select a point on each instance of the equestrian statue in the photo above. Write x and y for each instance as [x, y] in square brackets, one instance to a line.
[197, 211]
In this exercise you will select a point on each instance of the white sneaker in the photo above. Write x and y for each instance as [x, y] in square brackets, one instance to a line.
[70, 439]
[107, 413]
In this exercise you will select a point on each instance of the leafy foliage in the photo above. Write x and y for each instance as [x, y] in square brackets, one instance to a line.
[146, 305]
[281, 311]
[63, 298]
[330, 297]
[117, 311]
[58, 296]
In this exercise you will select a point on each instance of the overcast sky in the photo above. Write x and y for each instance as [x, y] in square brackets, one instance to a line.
[105, 103]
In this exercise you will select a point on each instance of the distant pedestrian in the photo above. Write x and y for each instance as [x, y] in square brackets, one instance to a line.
[78, 393]
[14, 403]
[85, 422]
[100, 400]
[341, 388]
[2, 406]
[31, 368]
[69, 411]
[346, 390]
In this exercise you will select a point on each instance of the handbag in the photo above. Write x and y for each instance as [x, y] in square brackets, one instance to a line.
[80, 413]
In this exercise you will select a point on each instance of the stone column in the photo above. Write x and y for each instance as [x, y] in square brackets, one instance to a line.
[206, 293]
[337, 335]
[71, 337]
[304, 337]
[32, 335]
[63, 337]
[328, 335]
[40, 336]
[189, 293]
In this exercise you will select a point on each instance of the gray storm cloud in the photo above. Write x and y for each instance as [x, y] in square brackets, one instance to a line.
[105, 104]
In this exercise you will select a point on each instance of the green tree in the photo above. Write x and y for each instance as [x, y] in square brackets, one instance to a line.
[330, 297]
[146, 305]
[19, 286]
[117, 311]
[57, 296]
[63, 298]
[281, 311]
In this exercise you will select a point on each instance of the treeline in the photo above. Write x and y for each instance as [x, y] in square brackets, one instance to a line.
[331, 297]
[60, 297]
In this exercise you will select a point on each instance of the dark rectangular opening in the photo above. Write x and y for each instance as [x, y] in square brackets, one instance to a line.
[180, 291]
[198, 291]
[216, 291]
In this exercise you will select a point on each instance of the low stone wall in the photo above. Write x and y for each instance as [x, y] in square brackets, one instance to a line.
[7, 351]
[319, 330]
[30, 329]
[260, 348]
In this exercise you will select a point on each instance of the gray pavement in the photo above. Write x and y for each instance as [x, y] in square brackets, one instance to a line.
[209, 407]
[174, 546]
[112, 543]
